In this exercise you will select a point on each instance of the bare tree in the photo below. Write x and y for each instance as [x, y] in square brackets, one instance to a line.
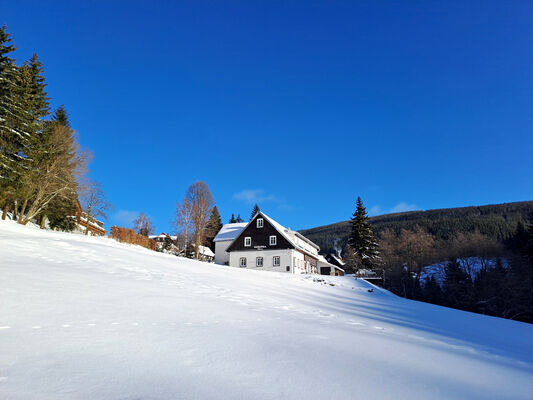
[143, 225]
[183, 221]
[52, 174]
[94, 202]
[201, 202]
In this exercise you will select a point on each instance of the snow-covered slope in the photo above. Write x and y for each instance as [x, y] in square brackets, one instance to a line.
[89, 318]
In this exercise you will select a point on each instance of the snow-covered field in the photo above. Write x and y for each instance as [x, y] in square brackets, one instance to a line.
[89, 318]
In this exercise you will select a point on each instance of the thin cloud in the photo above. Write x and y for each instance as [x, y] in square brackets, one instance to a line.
[403, 207]
[398, 208]
[125, 217]
[251, 196]
[376, 210]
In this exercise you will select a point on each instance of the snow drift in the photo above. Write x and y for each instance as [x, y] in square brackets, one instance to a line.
[90, 318]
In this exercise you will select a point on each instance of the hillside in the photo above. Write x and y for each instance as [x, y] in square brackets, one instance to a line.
[85, 317]
[498, 221]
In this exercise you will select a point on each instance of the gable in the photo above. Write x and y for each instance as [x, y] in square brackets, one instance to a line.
[260, 237]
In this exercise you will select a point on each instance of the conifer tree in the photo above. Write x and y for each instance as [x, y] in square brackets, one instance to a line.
[239, 219]
[362, 238]
[10, 121]
[213, 227]
[457, 286]
[254, 211]
[232, 219]
[60, 210]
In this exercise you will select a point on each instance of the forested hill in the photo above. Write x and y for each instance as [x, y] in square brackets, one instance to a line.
[498, 221]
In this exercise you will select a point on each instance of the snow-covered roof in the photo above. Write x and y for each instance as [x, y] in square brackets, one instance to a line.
[337, 259]
[162, 235]
[206, 251]
[229, 231]
[285, 232]
[322, 259]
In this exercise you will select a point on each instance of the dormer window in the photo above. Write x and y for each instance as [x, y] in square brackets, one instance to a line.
[259, 222]
[247, 241]
[273, 240]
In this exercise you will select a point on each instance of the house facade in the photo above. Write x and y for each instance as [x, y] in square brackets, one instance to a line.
[224, 238]
[264, 244]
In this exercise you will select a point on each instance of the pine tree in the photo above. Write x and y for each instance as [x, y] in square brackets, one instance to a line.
[457, 286]
[239, 219]
[61, 116]
[36, 151]
[362, 238]
[254, 211]
[213, 227]
[232, 219]
[60, 210]
[10, 121]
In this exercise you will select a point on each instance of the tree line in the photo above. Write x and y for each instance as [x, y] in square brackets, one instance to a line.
[196, 222]
[481, 274]
[43, 170]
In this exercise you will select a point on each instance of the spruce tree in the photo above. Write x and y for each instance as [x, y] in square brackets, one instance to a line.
[60, 210]
[213, 227]
[10, 121]
[232, 219]
[239, 219]
[254, 211]
[362, 238]
[35, 101]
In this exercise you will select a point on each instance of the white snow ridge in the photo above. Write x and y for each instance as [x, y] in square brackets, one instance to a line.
[89, 318]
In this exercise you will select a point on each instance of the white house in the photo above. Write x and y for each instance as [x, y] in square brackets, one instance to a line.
[264, 244]
[223, 239]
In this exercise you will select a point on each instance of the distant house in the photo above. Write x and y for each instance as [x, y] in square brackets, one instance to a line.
[264, 244]
[96, 228]
[326, 268]
[161, 238]
[160, 242]
[205, 254]
[335, 260]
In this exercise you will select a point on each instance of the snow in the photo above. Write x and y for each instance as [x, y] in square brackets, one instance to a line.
[230, 231]
[471, 265]
[90, 318]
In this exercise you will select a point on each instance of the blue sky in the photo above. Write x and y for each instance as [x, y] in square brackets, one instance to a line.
[300, 106]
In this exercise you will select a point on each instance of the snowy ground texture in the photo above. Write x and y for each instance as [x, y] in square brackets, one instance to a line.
[89, 318]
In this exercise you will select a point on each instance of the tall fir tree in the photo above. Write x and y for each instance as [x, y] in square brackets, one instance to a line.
[232, 219]
[362, 239]
[11, 121]
[60, 210]
[239, 219]
[254, 211]
[213, 227]
[35, 102]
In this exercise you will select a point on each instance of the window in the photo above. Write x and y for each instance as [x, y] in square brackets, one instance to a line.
[247, 241]
[259, 222]
[259, 262]
[273, 240]
[242, 262]
[276, 261]
[288, 269]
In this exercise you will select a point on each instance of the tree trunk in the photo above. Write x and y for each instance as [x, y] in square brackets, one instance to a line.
[43, 222]
[15, 206]
[21, 215]
[4, 211]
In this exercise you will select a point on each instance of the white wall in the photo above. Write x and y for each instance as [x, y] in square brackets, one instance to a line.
[286, 258]
[221, 255]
